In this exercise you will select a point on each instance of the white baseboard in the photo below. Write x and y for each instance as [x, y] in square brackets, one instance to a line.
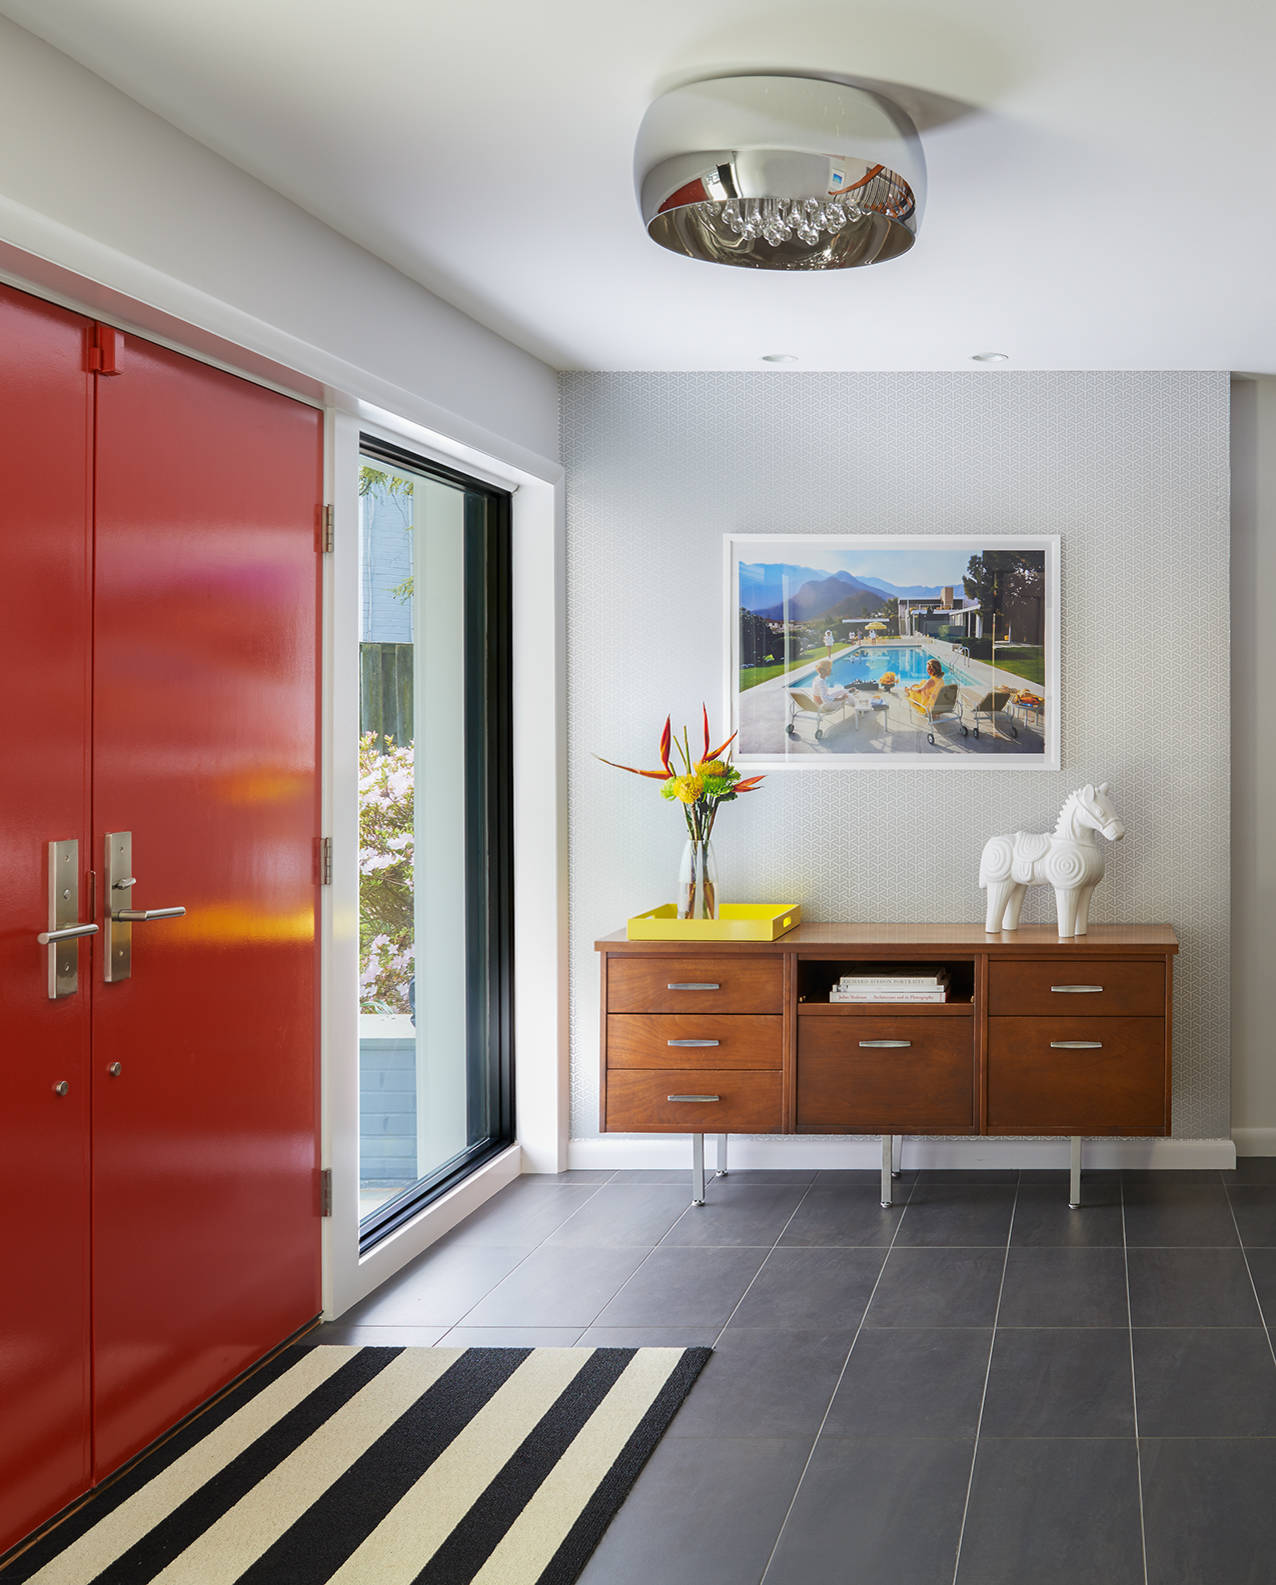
[664, 1152]
[1255, 1141]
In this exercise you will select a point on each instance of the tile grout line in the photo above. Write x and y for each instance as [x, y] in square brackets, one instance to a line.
[1262, 1314]
[596, 1187]
[1134, 1388]
[763, 1262]
[983, 1397]
[838, 1383]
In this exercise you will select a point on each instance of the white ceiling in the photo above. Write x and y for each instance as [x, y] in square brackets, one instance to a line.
[1101, 189]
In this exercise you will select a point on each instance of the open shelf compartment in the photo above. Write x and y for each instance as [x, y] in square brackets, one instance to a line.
[817, 976]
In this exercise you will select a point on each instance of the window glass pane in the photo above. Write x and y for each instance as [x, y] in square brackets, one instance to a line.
[428, 1063]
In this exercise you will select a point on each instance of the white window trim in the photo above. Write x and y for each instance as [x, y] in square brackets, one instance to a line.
[541, 1083]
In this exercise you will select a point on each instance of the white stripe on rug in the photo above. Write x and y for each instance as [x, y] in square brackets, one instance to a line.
[525, 1550]
[235, 1541]
[114, 1534]
[410, 1534]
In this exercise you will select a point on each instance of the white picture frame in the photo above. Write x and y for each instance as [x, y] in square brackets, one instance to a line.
[977, 629]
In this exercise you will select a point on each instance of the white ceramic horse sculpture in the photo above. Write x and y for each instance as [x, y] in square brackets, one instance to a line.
[1069, 859]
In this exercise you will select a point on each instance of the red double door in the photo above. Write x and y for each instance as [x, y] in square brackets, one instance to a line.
[159, 597]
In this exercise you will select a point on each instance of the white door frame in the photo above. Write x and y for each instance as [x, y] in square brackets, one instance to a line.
[541, 1083]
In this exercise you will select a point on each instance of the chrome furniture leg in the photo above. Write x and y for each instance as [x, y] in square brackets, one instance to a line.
[722, 1157]
[1074, 1175]
[697, 1169]
[897, 1155]
[888, 1150]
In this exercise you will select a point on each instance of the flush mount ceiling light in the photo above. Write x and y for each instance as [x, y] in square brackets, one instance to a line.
[779, 173]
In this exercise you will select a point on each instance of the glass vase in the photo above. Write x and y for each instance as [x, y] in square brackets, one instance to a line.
[698, 881]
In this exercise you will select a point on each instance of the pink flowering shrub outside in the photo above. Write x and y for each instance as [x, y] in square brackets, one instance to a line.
[386, 952]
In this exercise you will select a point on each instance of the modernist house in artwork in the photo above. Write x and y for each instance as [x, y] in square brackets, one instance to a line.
[866, 650]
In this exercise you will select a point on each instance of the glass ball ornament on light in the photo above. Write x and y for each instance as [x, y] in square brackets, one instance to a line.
[779, 173]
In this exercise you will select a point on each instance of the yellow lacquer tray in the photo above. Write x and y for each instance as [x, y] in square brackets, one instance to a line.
[735, 922]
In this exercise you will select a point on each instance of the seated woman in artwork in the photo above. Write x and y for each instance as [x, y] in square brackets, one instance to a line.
[823, 691]
[922, 694]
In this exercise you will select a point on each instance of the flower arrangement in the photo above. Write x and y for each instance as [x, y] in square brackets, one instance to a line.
[888, 679]
[700, 786]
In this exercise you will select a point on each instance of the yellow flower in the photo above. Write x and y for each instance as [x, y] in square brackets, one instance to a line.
[690, 788]
[711, 767]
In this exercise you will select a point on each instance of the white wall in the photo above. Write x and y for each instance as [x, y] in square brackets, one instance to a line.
[104, 188]
[1131, 470]
[1253, 761]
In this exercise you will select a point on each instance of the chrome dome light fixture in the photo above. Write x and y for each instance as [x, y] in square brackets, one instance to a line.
[779, 173]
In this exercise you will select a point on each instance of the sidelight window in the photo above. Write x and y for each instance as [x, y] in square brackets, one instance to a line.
[435, 900]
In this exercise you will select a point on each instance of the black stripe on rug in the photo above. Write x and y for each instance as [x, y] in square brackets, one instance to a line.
[319, 1542]
[579, 1543]
[467, 1548]
[378, 1478]
[106, 1501]
[187, 1522]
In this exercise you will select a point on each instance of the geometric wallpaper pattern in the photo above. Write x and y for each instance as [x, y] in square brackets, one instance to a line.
[1130, 470]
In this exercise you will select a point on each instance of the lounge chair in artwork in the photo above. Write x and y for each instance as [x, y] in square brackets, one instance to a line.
[943, 709]
[995, 702]
[801, 703]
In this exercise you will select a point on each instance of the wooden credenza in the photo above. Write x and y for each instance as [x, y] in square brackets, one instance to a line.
[1039, 1036]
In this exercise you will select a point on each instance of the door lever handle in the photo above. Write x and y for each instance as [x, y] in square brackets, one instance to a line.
[121, 916]
[137, 916]
[66, 933]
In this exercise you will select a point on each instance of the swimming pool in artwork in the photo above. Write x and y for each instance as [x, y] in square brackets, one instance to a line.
[866, 663]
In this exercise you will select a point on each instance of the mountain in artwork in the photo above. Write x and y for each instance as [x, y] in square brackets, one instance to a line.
[814, 593]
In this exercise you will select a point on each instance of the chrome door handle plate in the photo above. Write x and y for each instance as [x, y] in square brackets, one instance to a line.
[117, 959]
[62, 938]
[121, 916]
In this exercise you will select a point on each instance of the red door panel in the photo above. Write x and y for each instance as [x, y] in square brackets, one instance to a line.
[45, 436]
[206, 1230]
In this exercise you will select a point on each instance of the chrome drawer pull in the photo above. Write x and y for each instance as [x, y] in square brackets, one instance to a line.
[1076, 1045]
[693, 1097]
[692, 985]
[891, 1043]
[693, 1042]
[1077, 989]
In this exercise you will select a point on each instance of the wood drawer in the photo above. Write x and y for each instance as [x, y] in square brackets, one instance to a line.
[710, 1040]
[695, 984]
[849, 1084]
[638, 1102]
[1114, 1083]
[1125, 989]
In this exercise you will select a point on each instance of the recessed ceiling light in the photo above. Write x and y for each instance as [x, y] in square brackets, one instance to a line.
[990, 357]
[779, 357]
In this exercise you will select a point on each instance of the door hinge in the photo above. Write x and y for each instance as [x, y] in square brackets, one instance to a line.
[103, 348]
[328, 532]
[325, 861]
[325, 1191]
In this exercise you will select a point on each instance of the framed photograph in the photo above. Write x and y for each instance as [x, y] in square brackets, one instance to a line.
[882, 651]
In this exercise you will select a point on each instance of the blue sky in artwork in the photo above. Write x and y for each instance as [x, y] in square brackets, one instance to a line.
[931, 564]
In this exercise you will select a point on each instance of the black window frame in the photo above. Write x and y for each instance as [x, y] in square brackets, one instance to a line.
[489, 804]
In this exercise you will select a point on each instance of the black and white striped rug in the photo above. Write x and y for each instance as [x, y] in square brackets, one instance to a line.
[383, 1466]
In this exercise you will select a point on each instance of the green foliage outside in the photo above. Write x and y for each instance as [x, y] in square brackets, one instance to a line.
[386, 906]
[391, 487]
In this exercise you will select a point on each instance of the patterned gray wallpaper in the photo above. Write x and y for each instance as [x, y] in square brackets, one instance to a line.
[1130, 469]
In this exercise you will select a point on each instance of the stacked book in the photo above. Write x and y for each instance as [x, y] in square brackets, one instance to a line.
[922, 984]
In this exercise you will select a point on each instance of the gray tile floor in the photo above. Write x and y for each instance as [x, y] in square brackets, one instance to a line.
[976, 1387]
